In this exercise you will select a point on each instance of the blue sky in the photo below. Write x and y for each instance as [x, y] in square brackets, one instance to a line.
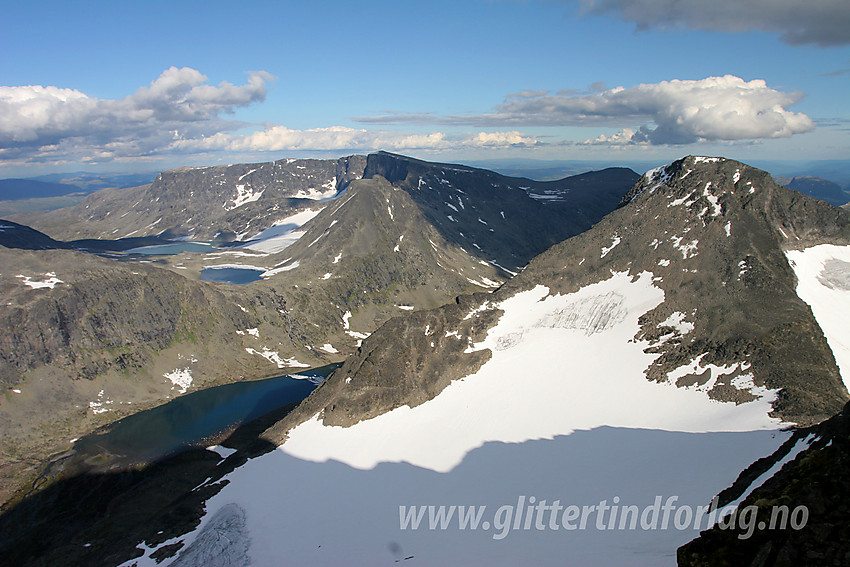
[152, 85]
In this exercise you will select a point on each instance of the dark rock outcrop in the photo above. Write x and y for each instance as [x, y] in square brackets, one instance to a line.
[817, 481]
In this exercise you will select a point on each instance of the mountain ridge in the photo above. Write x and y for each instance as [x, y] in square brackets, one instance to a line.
[367, 256]
[682, 310]
[747, 218]
[212, 203]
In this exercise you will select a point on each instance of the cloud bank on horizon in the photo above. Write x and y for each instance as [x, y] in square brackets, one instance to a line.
[179, 114]
[679, 112]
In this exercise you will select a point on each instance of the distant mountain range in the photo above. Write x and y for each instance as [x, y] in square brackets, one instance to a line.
[17, 189]
[56, 191]
[90, 182]
[818, 188]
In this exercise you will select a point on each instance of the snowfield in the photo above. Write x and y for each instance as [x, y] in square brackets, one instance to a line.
[301, 512]
[823, 281]
[48, 283]
[243, 197]
[562, 411]
[181, 378]
[284, 233]
[559, 364]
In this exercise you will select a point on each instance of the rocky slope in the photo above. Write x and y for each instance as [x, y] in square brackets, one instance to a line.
[353, 257]
[428, 233]
[205, 203]
[87, 340]
[713, 233]
[95, 338]
[503, 220]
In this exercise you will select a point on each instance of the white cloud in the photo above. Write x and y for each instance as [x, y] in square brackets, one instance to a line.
[502, 139]
[670, 112]
[179, 113]
[281, 138]
[624, 137]
[41, 121]
[821, 22]
[27, 113]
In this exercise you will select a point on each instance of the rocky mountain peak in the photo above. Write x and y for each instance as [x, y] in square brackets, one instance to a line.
[725, 176]
[713, 188]
[711, 234]
[488, 214]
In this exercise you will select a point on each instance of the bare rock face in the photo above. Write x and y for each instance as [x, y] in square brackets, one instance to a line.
[506, 220]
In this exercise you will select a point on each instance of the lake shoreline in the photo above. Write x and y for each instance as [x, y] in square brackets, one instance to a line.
[89, 513]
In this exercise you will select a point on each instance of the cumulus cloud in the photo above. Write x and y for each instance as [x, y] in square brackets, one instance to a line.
[281, 138]
[670, 112]
[45, 120]
[502, 139]
[180, 113]
[825, 23]
[624, 137]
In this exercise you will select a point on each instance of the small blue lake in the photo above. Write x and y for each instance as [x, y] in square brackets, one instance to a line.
[195, 418]
[231, 275]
